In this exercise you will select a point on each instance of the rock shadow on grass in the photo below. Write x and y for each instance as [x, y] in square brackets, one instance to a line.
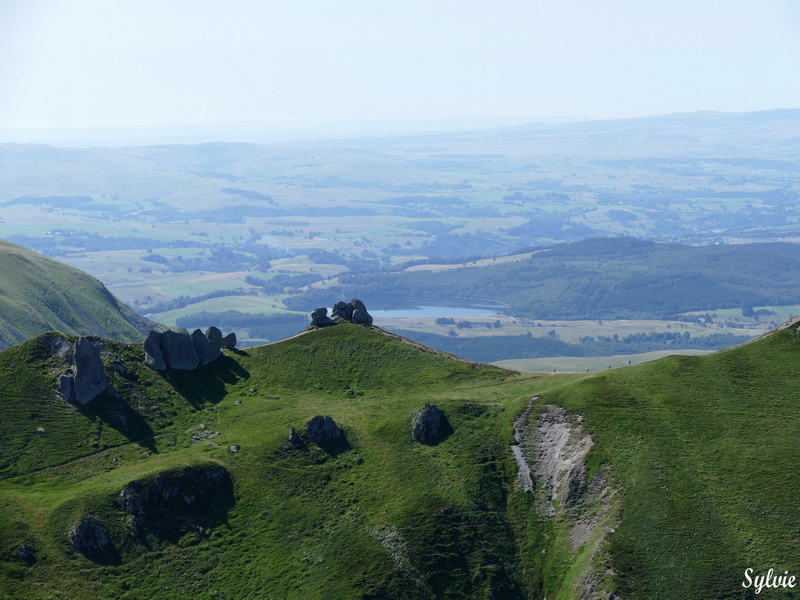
[334, 448]
[207, 385]
[119, 415]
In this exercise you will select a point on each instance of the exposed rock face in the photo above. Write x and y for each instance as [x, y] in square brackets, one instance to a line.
[153, 356]
[360, 314]
[556, 447]
[322, 429]
[294, 440]
[319, 318]
[214, 336]
[205, 351]
[184, 352]
[229, 341]
[342, 311]
[354, 312]
[90, 539]
[430, 425]
[90, 377]
[179, 350]
[85, 378]
[177, 501]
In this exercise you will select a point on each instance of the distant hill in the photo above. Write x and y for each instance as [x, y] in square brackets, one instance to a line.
[665, 480]
[600, 278]
[39, 294]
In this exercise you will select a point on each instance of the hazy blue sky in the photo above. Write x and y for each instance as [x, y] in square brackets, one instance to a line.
[87, 63]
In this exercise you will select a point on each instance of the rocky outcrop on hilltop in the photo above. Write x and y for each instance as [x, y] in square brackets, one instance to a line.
[85, 377]
[354, 312]
[320, 318]
[229, 341]
[184, 352]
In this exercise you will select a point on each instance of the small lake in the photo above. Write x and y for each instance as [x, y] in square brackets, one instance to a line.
[440, 308]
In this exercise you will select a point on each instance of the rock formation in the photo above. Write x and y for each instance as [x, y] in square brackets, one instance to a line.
[322, 429]
[202, 345]
[153, 356]
[354, 312]
[319, 318]
[214, 336]
[342, 311]
[90, 539]
[177, 501]
[90, 377]
[179, 350]
[430, 425]
[85, 378]
[229, 341]
[294, 440]
[360, 314]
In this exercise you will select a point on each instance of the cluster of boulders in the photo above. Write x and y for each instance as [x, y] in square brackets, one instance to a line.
[85, 378]
[354, 312]
[184, 352]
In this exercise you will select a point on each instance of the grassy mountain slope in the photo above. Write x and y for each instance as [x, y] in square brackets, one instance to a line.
[39, 294]
[380, 515]
[701, 450]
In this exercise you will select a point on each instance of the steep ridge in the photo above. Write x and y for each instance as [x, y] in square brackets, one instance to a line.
[39, 294]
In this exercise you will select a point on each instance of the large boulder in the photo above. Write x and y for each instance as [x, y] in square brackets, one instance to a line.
[321, 429]
[229, 341]
[205, 351]
[177, 501]
[359, 312]
[153, 355]
[90, 378]
[179, 350]
[342, 310]
[90, 539]
[430, 425]
[319, 318]
[362, 317]
[214, 336]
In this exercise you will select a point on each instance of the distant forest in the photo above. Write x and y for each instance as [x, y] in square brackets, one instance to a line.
[500, 347]
[601, 278]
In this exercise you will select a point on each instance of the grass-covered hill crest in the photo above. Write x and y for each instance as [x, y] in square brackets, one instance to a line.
[39, 294]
